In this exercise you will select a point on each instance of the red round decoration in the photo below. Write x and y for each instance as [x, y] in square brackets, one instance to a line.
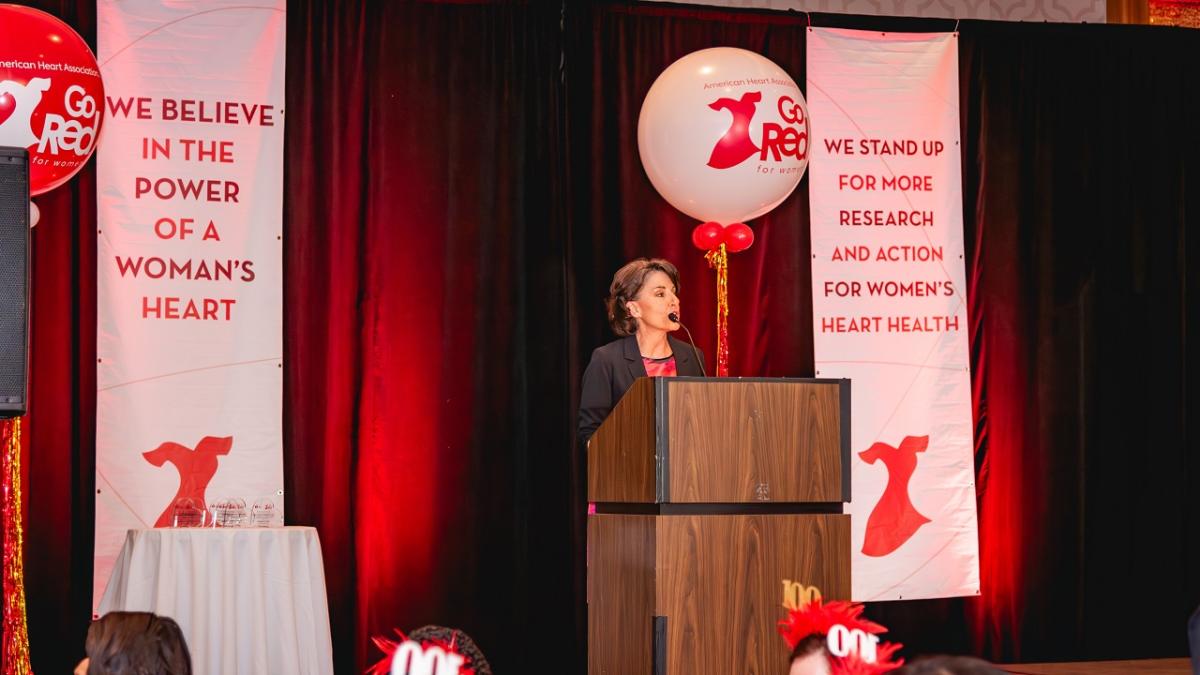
[707, 236]
[51, 95]
[738, 237]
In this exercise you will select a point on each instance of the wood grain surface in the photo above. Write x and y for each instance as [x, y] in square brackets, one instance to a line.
[621, 457]
[753, 441]
[717, 579]
[620, 592]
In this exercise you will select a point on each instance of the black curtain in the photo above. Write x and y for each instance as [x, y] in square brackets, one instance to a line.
[1082, 182]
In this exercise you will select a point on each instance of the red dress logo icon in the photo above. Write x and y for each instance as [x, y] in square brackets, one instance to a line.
[17, 103]
[894, 520]
[196, 468]
[735, 146]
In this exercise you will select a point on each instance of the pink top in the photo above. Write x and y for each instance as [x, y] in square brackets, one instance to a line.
[660, 367]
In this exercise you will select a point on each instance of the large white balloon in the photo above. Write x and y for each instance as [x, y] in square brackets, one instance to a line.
[723, 135]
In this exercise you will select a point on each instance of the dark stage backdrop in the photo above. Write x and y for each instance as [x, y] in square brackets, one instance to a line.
[462, 180]
[1082, 186]
[427, 400]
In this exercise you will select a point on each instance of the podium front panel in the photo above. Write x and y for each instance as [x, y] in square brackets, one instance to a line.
[701, 594]
[731, 441]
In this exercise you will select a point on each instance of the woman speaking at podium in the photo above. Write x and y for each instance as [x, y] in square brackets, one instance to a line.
[643, 308]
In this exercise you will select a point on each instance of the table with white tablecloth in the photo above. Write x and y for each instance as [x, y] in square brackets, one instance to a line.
[250, 601]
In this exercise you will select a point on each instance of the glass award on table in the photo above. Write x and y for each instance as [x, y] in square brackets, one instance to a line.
[230, 512]
[187, 513]
[262, 514]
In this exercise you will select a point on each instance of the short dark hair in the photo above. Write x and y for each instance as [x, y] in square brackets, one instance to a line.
[461, 642]
[626, 285]
[136, 642]
[812, 643]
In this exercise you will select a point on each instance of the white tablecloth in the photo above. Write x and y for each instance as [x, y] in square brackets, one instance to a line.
[249, 600]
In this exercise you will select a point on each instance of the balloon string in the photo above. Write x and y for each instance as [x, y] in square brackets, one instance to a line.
[718, 259]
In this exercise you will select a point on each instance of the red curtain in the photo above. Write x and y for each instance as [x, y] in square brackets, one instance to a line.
[427, 413]
[60, 428]
[427, 408]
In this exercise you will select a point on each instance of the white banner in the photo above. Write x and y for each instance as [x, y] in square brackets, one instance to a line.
[190, 290]
[889, 302]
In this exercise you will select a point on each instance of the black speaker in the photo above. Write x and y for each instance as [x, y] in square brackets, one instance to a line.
[14, 281]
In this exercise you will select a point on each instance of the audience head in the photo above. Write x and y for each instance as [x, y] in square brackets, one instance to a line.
[135, 643]
[455, 639]
[950, 665]
[835, 639]
[810, 657]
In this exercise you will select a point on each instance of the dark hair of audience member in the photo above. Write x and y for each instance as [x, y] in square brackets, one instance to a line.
[462, 644]
[810, 644]
[949, 665]
[120, 643]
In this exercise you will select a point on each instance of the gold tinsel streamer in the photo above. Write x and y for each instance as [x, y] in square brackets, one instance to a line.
[16, 634]
[718, 259]
[1185, 14]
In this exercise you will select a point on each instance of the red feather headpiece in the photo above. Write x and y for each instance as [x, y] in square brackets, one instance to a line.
[817, 618]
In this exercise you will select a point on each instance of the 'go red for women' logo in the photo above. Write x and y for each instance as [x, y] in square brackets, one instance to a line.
[778, 140]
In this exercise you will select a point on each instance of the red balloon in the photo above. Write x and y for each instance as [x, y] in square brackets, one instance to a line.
[51, 96]
[707, 236]
[738, 237]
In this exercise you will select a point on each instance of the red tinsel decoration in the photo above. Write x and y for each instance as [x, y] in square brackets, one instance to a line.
[16, 636]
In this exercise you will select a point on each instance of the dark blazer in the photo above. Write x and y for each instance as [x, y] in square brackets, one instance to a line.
[611, 373]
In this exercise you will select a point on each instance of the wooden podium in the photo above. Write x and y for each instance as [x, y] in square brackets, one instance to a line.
[717, 501]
